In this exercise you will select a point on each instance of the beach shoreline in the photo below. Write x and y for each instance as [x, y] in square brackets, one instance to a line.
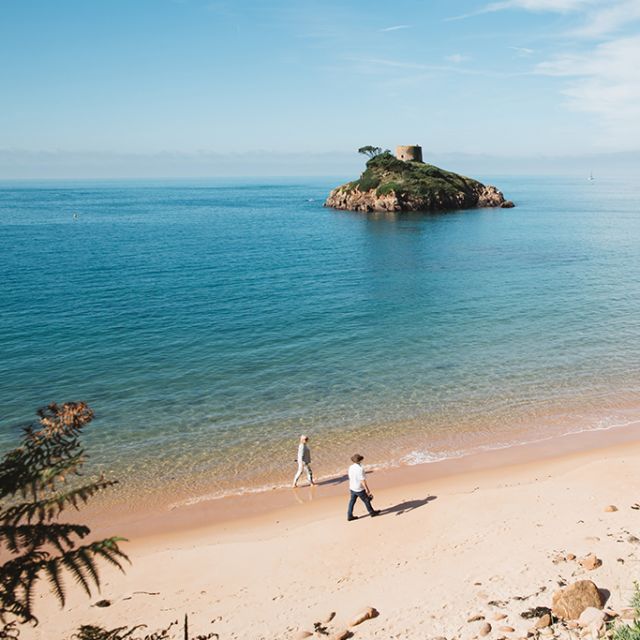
[137, 521]
[446, 548]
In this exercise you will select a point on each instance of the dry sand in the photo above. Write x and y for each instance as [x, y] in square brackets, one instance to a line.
[448, 547]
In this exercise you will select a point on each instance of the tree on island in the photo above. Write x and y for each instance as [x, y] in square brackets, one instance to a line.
[36, 486]
[372, 152]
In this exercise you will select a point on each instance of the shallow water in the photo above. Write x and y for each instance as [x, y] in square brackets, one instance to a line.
[210, 323]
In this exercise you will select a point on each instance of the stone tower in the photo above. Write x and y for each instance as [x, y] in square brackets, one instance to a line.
[410, 152]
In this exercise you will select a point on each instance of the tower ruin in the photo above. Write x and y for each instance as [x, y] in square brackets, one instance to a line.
[409, 153]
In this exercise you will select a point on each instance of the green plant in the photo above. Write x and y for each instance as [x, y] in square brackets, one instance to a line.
[635, 599]
[631, 631]
[387, 187]
[368, 180]
[38, 481]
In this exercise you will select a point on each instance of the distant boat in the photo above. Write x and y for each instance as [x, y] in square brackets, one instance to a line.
[591, 178]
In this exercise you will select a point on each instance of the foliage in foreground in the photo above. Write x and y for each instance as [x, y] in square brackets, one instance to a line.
[630, 631]
[90, 632]
[39, 481]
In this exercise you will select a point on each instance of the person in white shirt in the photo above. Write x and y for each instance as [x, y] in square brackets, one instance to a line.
[304, 461]
[359, 488]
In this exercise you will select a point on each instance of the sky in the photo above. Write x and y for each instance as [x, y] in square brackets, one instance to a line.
[109, 88]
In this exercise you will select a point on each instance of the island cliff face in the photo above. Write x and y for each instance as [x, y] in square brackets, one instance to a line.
[390, 184]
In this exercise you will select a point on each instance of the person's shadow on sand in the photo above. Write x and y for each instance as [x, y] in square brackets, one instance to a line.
[405, 507]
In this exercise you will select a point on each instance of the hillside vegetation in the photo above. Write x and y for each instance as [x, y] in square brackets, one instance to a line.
[389, 184]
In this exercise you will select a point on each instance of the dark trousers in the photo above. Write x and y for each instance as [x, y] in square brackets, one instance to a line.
[352, 501]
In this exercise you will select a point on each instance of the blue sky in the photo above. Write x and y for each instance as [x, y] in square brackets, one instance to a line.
[191, 79]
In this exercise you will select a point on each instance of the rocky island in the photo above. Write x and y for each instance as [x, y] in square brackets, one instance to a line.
[405, 183]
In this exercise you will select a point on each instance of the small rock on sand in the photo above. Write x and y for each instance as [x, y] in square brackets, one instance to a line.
[593, 618]
[499, 616]
[103, 603]
[543, 621]
[590, 562]
[610, 508]
[506, 629]
[570, 602]
[365, 614]
[328, 618]
[485, 629]
[301, 635]
[475, 618]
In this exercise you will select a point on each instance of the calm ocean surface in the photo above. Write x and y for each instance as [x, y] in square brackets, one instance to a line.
[210, 323]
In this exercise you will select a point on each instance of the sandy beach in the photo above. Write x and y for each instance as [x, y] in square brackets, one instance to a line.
[483, 540]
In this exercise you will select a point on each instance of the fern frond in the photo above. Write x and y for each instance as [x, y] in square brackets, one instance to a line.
[32, 536]
[110, 551]
[74, 567]
[50, 507]
[28, 586]
[37, 544]
[86, 560]
[52, 571]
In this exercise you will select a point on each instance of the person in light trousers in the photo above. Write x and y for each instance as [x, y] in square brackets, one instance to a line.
[304, 461]
[359, 488]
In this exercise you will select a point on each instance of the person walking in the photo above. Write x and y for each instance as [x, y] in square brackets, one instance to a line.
[304, 461]
[359, 488]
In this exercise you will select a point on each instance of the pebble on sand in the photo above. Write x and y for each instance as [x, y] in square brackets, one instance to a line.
[590, 562]
[365, 614]
[593, 618]
[543, 621]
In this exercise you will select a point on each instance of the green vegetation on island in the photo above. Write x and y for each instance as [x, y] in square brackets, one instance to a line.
[391, 184]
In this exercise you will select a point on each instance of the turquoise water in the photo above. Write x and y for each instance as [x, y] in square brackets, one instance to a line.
[210, 323]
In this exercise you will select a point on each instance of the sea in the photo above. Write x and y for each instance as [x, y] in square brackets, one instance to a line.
[210, 323]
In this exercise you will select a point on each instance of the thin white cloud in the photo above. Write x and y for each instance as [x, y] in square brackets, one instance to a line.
[523, 52]
[609, 19]
[554, 6]
[457, 58]
[372, 66]
[604, 82]
[396, 28]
